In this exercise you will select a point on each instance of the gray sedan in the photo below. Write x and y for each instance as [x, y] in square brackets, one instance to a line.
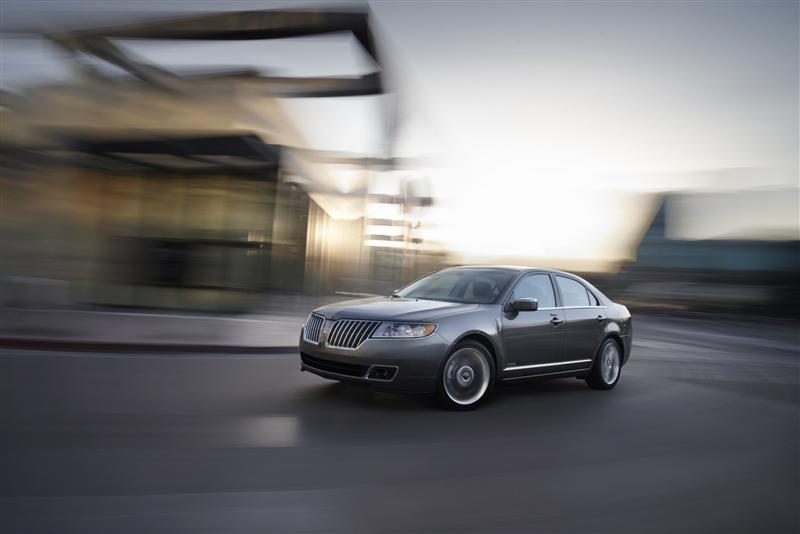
[457, 331]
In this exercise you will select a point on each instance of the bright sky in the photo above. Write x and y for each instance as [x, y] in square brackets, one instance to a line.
[553, 113]
[547, 119]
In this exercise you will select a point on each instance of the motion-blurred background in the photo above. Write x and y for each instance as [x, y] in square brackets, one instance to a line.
[196, 156]
[182, 182]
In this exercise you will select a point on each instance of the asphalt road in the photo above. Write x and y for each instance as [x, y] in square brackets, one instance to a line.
[702, 434]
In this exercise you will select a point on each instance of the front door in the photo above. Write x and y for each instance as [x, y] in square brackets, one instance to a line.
[533, 339]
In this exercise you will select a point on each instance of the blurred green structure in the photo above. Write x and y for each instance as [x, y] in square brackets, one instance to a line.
[719, 275]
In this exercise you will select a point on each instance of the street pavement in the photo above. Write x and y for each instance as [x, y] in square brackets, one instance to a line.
[701, 435]
[276, 321]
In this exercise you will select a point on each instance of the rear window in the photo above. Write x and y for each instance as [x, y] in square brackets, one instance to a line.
[573, 292]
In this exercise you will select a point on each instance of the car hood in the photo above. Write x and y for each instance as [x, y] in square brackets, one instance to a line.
[387, 308]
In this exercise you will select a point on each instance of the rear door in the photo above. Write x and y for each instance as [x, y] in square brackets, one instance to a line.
[585, 320]
[532, 338]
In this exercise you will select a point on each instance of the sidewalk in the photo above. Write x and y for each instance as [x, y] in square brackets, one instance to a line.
[275, 328]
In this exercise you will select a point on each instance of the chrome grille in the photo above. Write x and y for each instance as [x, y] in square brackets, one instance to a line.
[350, 333]
[313, 328]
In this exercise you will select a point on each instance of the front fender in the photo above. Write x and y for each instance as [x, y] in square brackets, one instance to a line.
[481, 323]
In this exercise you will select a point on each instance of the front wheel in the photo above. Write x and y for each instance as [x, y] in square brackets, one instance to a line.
[607, 366]
[466, 377]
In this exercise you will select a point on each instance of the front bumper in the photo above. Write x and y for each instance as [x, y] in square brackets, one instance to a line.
[417, 362]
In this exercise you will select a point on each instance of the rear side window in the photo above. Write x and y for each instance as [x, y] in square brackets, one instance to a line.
[573, 293]
[539, 287]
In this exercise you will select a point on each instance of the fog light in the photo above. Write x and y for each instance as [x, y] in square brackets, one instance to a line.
[381, 372]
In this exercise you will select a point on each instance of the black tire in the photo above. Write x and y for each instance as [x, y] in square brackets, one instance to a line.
[477, 358]
[601, 376]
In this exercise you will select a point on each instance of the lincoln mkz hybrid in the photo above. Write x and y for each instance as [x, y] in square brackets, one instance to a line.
[458, 331]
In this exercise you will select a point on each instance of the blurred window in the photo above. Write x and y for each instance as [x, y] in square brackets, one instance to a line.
[539, 287]
[474, 286]
[573, 293]
[436, 286]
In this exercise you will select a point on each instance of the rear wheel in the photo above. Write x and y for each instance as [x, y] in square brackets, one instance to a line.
[466, 377]
[607, 366]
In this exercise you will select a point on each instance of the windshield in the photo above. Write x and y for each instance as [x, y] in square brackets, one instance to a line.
[473, 286]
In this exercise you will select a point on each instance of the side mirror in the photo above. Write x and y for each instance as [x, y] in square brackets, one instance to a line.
[524, 304]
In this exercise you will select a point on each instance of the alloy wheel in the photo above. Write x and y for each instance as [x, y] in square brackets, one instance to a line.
[466, 376]
[610, 363]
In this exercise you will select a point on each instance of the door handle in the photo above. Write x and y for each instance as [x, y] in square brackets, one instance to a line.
[555, 321]
[601, 318]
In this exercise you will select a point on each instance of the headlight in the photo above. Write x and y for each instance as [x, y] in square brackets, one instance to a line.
[391, 329]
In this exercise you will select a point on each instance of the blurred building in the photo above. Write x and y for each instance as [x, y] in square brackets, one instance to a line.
[710, 274]
[142, 186]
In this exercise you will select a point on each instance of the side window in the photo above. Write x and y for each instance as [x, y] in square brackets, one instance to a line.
[573, 292]
[592, 299]
[537, 286]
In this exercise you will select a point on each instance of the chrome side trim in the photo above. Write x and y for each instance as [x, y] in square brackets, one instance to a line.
[569, 308]
[518, 367]
[568, 371]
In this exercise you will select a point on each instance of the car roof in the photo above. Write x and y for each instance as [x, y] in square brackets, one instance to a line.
[518, 268]
[522, 269]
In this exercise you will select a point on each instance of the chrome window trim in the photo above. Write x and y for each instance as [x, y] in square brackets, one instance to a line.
[534, 366]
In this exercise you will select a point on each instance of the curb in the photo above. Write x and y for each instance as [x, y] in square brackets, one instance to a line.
[110, 346]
